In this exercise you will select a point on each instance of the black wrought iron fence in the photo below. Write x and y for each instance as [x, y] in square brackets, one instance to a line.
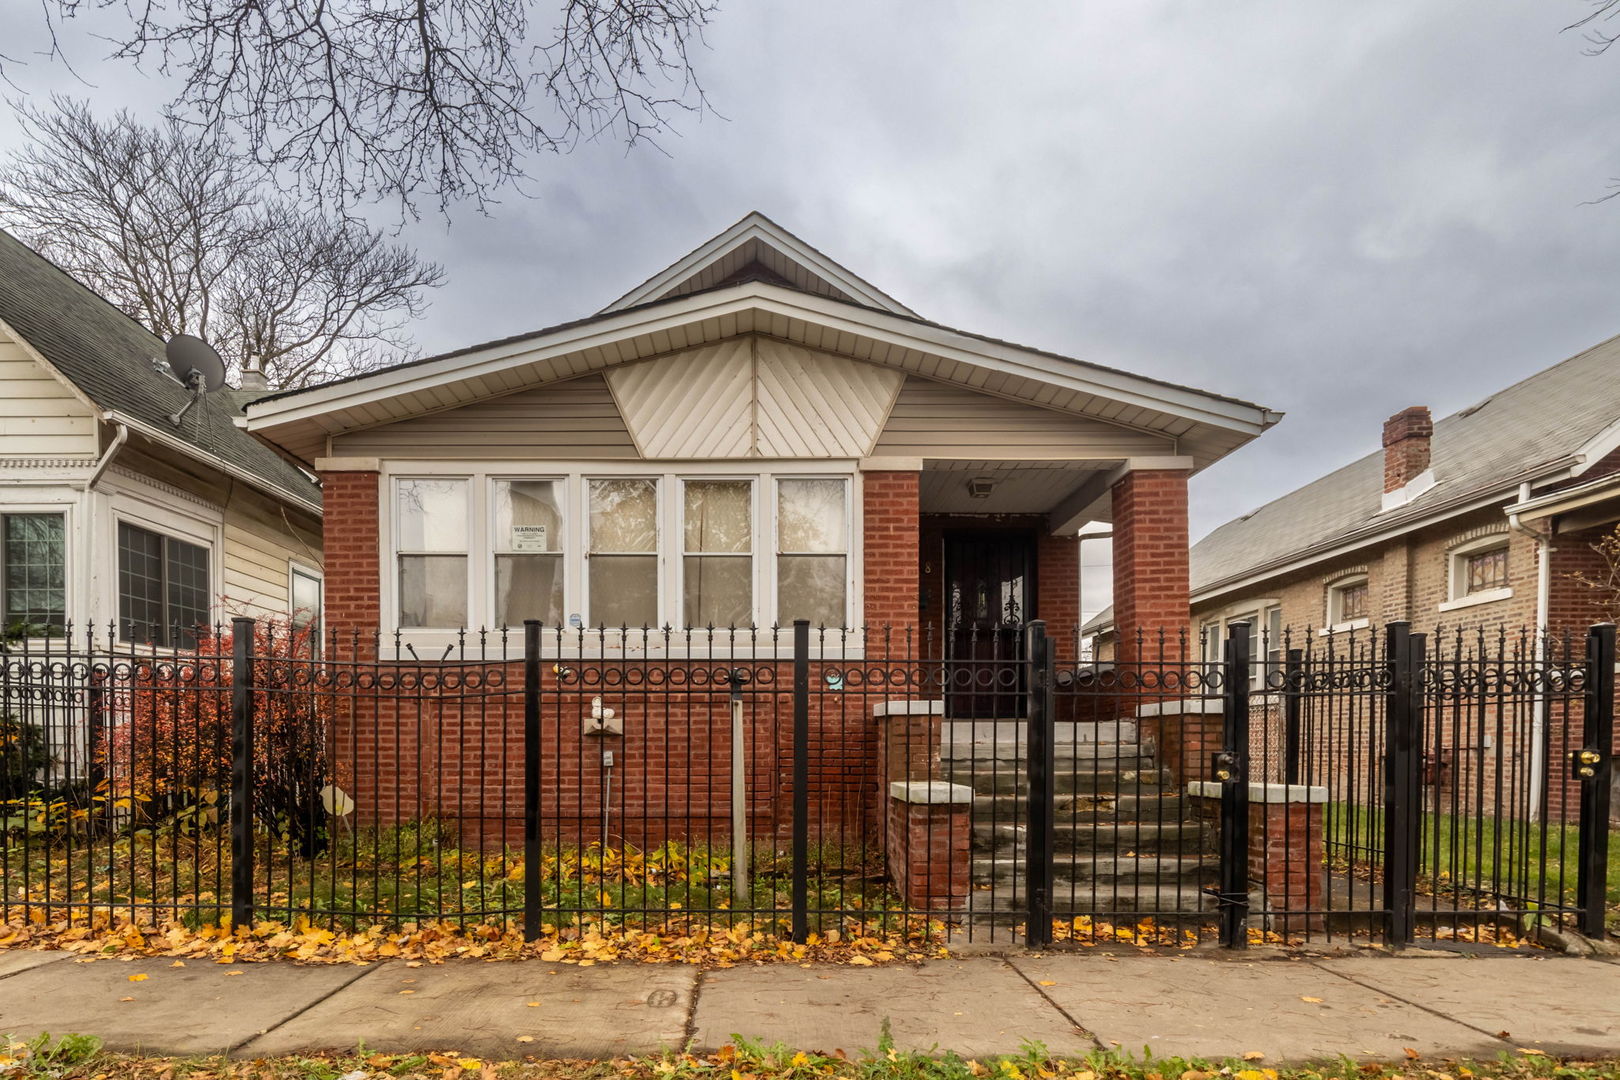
[805, 780]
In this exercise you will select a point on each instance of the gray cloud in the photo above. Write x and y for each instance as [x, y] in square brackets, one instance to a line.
[1334, 210]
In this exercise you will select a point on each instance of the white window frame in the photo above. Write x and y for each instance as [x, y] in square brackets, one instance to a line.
[171, 519]
[756, 574]
[474, 495]
[660, 552]
[1257, 614]
[575, 476]
[850, 532]
[1457, 573]
[1335, 622]
[296, 570]
[69, 538]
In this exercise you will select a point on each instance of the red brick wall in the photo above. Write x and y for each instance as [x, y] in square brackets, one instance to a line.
[1407, 438]
[1150, 558]
[928, 853]
[891, 539]
[353, 576]
[1057, 588]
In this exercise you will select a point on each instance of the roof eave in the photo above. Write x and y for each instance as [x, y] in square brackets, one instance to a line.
[197, 453]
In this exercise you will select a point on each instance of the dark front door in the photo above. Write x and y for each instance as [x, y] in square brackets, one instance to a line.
[989, 587]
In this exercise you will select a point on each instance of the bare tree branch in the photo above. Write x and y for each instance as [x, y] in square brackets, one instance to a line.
[181, 235]
[415, 99]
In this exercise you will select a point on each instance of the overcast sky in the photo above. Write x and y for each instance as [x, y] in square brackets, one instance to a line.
[1336, 210]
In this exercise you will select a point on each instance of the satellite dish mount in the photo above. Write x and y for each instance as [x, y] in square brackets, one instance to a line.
[198, 367]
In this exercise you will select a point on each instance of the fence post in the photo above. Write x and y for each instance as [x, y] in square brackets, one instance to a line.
[241, 772]
[531, 779]
[801, 780]
[1038, 745]
[1594, 768]
[1403, 721]
[1293, 690]
[1231, 768]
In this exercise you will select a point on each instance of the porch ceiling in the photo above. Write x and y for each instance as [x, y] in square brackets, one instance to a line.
[1018, 487]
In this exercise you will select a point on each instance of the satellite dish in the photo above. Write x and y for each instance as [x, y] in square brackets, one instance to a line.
[197, 366]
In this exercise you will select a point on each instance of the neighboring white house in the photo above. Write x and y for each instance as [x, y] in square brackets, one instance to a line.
[111, 514]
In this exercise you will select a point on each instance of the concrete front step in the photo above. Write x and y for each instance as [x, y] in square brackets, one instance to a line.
[1105, 839]
[1083, 756]
[1141, 778]
[1145, 871]
[1064, 733]
[1095, 806]
[1103, 904]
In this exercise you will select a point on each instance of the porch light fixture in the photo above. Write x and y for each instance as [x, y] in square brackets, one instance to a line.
[980, 487]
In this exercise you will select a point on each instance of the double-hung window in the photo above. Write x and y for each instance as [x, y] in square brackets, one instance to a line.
[163, 587]
[528, 545]
[431, 519]
[717, 563]
[623, 555]
[33, 578]
[812, 550]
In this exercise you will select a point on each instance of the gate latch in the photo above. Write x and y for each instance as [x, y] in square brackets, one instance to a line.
[1223, 765]
[1584, 764]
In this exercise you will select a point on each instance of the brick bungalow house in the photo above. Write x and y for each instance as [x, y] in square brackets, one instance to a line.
[752, 435]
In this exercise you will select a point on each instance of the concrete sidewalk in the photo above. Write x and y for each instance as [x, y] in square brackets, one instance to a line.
[1289, 1009]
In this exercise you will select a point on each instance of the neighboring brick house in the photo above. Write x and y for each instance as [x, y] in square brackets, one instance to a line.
[753, 435]
[116, 519]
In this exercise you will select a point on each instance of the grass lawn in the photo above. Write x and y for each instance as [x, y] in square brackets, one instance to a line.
[1470, 858]
[417, 872]
[78, 1058]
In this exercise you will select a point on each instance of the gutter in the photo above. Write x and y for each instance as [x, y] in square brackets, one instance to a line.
[196, 453]
[107, 455]
[1538, 714]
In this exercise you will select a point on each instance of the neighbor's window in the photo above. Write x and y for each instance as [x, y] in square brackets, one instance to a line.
[623, 556]
[432, 516]
[718, 557]
[33, 581]
[1482, 571]
[162, 587]
[528, 545]
[812, 545]
[305, 599]
[1347, 601]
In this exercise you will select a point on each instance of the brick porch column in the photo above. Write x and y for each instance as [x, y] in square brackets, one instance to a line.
[1150, 560]
[892, 539]
[351, 497]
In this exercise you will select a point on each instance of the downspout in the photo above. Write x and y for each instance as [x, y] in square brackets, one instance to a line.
[1538, 714]
[107, 455]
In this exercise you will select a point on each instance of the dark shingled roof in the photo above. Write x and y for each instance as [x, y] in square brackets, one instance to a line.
[108, 356]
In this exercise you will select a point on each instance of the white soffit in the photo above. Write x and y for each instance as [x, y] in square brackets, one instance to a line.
[753, 397]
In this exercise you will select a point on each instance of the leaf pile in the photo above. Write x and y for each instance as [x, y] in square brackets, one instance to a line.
[676, 943]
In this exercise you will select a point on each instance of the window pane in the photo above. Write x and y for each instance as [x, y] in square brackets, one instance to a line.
[624, 590]
[1352, 602]
[35, 576]
[810, 587]
[528, 587]
[810, 516]
[432, 515]
[433, 591]
[306, 599]
[140, 584]
[1487, 570]
[719, 516]
[528, 515]
[624, 516]
[187, 569]
[719, 590]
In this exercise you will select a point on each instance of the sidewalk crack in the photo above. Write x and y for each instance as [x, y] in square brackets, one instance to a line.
[691, 1014]
[302, 1009]
[1407, 1001]
[1060, 1010]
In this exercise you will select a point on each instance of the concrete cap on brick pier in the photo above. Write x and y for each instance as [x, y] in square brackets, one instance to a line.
[931, 792]
[907, 708]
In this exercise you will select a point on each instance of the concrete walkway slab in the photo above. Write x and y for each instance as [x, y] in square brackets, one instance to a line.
[1559, 1004]
[484, 1009]
[16, 961]
[203, 1008]
[1193, 1007]
[973, 1007]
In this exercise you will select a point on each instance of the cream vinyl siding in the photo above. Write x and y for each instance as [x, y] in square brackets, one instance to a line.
[39, 416]
[754, 397]
[259, 545]
[572, 419]
[937, 420]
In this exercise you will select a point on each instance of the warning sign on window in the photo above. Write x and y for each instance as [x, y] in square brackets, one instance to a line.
[529, 538]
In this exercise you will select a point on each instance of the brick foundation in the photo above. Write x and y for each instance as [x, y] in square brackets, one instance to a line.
[1286, 861]
[1185, 736]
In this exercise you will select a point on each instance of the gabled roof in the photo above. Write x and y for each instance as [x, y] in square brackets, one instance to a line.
[1548, 426]
[757, 241]
[107, 356]
[753, 297]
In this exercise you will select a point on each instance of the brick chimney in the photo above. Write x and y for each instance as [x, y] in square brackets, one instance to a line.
[1406, 446]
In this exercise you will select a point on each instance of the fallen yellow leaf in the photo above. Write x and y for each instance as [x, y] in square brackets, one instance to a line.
[1048, 982]
[1254, 1055]
[138, 978]
[1313, 1001]
[525, 1038]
